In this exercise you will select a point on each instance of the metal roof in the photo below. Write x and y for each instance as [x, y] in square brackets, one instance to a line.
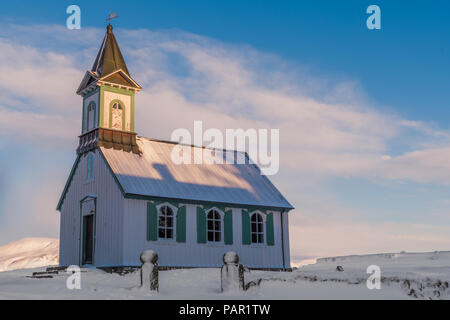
[154, 174]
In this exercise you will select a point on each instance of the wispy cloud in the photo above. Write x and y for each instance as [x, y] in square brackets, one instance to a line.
[227, 87]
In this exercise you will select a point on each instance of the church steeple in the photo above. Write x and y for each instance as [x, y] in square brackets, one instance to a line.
[109, 66]
[109, 58]
[108, 100]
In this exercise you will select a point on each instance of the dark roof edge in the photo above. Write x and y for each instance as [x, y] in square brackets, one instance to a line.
[68, 182]
[217, 203]
[72, 173]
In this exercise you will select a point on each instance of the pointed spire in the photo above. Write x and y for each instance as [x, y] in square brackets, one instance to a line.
[109, 67]
[109, 58]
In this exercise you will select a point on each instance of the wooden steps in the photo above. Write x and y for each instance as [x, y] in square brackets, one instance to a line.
[49, 273]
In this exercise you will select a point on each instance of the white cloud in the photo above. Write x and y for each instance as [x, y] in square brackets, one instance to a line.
[325, 131]
[38, 125]
[425, 166]
[38, 79]
[231, 87]
[226, 87]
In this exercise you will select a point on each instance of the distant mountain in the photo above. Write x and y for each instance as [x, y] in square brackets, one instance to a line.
[29, 253]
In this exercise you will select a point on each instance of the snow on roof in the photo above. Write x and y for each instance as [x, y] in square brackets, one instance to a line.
[154, 174]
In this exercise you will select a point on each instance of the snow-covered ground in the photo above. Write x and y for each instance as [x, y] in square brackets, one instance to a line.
[419, 275]
[183, 284]
[403, 276]
[29, 253]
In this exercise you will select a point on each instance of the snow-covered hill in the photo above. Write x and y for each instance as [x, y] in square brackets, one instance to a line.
[29, 253]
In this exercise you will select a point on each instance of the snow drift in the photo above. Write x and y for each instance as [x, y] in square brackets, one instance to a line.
[29, 253]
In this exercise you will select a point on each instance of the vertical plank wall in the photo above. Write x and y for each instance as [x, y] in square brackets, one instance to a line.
[108, 221]
[191, 253]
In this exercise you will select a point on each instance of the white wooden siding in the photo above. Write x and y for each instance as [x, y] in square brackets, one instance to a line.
[108, 220]
[287, 254]
[191, 253]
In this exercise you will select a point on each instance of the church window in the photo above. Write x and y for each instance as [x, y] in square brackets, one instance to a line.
[214, 226]
[165, 222]
[90, 167]
[257, 228]
[117, 116]
[91, 116]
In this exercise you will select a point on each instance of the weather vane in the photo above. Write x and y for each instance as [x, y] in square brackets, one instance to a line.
[111, 16]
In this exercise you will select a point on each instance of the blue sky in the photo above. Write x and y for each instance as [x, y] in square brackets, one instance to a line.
[397, 66]
[364, 157]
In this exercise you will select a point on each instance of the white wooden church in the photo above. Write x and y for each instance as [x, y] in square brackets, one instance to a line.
[125, 195]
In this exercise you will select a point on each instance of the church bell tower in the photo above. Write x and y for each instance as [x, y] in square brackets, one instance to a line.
[108, 101]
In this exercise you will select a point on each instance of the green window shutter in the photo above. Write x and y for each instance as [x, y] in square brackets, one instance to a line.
[245, 227]
[201, 225]
[152, 222]
[181, 224]
[228, 227]
[269, 230]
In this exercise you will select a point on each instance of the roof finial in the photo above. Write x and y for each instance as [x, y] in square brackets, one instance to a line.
[111, 16]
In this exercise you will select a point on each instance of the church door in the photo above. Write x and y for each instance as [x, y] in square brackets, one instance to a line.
[87, 234]
[88, 238]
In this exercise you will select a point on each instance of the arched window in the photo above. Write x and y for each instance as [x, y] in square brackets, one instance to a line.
[117, 114]
[165, 222]
[214, 223]
[257, 231]
[90, 167]
[91, 116]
